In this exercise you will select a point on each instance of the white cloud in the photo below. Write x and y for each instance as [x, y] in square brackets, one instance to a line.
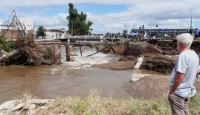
[165, 14]
[58, 21]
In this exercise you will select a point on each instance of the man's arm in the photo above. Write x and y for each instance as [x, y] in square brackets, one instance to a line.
[177, 81]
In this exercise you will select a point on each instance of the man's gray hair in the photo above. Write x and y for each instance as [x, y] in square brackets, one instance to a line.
[186, 39]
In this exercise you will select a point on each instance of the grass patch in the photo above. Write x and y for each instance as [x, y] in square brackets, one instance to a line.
[194, 104]
[4, 45]
[96, 105]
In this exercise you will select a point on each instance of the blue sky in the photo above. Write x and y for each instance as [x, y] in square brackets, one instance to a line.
[107, 15]
[51, 10]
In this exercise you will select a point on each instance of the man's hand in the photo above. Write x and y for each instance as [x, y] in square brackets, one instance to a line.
[198, 72]
[177, 81]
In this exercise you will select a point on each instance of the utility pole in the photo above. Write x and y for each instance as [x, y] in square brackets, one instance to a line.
[190, 18]
[191, 26]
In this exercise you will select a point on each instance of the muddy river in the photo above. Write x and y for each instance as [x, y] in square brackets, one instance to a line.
[75, 78]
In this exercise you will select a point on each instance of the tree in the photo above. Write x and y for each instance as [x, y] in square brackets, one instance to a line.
[142, 27]
[77, 22]
[40, 32]
[125, 32]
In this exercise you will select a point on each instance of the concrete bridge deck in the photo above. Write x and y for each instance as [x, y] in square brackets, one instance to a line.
[74, 43]
[90, 39]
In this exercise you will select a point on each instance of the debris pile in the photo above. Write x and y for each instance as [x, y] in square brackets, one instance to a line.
[24, 49]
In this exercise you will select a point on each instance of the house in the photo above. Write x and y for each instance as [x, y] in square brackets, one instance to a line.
[55, 34]
[27, 23]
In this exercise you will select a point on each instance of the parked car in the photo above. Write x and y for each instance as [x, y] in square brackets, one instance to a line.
[167, 36]
[162, 36]
[158, 36]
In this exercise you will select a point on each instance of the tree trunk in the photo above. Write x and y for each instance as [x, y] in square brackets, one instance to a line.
[9, 55]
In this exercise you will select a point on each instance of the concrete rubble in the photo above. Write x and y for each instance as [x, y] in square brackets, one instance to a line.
[28, 107]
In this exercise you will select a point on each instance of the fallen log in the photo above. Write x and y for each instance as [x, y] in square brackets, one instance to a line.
[10, 55]
[97, 52]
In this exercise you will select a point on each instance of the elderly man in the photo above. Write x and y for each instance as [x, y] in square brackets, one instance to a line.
[183, 75]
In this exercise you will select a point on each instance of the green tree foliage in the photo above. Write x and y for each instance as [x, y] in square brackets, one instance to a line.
[124, 32]
[40, 32]
[4, 45]
[77, 22]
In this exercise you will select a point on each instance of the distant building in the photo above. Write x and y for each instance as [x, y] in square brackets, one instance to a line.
[55, 34]
[162, 32]
[16, 29]
[27, 23]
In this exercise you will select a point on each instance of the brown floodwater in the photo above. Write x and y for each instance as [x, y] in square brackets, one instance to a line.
[47, 82]
[58, 81]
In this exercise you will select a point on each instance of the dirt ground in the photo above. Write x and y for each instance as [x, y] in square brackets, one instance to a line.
[153, 87]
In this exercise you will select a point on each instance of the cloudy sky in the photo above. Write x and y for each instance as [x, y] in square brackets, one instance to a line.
[107, 15]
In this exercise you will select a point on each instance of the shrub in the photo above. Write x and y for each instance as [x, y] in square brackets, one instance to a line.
[4, 45]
